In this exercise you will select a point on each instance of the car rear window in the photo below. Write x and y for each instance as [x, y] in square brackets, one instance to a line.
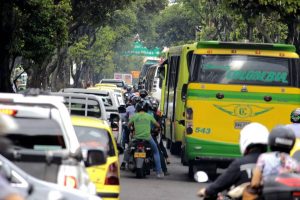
[95, 137]
[83, 107]
[37, 134]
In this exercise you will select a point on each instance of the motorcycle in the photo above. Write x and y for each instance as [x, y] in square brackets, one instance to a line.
[141, 158]
[279, 187]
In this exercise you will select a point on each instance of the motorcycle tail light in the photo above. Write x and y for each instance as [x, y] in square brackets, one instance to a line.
[112, 177]
[140, 146]
[70, 181]
[291, 182]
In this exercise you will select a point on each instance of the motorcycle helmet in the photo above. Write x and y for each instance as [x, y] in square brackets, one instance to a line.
[154, 104]
[295, 116]
[142, 106]
[253, 134]
[136, 100]
[143, 93]
[282, 139]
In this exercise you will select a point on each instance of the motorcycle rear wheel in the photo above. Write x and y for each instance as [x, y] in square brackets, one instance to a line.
[140, 173]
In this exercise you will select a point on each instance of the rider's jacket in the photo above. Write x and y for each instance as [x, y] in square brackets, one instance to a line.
[237, 173]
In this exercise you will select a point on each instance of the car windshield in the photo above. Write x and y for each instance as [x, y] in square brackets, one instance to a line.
[96, 138]
[37, 134]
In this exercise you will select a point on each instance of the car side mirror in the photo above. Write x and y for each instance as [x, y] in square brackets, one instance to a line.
[184, 92]
[161, 72]
[95, 157]
[122, 109]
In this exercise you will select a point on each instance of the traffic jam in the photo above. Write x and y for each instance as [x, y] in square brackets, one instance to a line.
[68, 144]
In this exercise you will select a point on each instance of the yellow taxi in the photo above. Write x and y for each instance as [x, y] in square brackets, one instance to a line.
[95, 133]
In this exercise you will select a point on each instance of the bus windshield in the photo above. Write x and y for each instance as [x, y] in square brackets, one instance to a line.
[241, 69]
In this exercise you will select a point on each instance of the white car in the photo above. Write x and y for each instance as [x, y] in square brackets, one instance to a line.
[45, 144]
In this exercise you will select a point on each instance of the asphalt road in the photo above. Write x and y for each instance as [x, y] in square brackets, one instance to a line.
[176, 186]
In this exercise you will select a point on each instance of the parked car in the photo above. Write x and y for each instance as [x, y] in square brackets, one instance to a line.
[45, 144]
[94, 133]
[33, 188]
[111, 107]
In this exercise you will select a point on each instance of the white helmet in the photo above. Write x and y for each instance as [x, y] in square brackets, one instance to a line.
[253, 133]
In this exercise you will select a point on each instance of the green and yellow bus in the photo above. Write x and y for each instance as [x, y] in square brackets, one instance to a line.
[176, 73]
[231, 85]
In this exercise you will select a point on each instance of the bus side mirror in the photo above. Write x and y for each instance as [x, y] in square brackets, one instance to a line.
[161, 72]
[184, 92]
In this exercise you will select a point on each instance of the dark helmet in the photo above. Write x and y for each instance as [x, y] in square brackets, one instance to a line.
[295, 116]
[282, 139]
[154, 104]
[135, 100]
[129, 88]
[142, 106]
[143, 93]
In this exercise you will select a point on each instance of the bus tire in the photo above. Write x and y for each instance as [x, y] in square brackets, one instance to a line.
[191, 171]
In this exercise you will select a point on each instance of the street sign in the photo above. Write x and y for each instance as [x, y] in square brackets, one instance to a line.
[135, 74]
[140, 50]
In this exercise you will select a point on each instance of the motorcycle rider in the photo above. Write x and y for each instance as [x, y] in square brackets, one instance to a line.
[295, 119]
[253, 142]
[281, 141]
[142, 124]
[130, 110]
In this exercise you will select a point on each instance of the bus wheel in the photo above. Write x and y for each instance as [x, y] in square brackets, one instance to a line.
[191, 171]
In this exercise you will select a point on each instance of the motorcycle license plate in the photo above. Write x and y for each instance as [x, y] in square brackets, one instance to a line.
[140, 155]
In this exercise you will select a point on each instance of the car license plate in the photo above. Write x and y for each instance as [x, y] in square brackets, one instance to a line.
[139, 155]
[240, 125]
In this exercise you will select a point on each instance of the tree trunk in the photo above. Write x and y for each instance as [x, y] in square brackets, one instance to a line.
[6, 30]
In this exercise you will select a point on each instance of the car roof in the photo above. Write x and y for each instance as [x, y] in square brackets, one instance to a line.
[89, 122]
[82, 90]
[112, 80]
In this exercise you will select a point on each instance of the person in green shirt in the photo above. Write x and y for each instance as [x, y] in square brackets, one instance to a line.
[142, 124]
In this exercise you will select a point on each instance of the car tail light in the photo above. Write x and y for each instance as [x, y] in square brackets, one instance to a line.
[189, 113]
[291, 182]
[70, 181]
[8, 112]
[112, 177]
[296, 194]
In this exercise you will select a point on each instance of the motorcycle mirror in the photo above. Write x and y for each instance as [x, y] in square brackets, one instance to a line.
[201, 177]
